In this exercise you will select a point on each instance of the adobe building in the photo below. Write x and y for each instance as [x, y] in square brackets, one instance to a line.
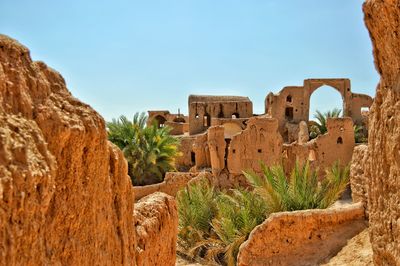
[222, 135]
[177, 122]
[205, 110]
[292, 103]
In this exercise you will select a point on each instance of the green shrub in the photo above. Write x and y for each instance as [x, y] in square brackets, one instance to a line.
[196, 208]
[238, 213]
[301, 190]
[213, 224]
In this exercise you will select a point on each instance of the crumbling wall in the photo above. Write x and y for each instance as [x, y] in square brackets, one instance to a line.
[307, 237]
[177, 128]
[156, 225]
[337, 144]
[217, 145]
[260, 141]
[292, 103]
[164, 118]
[65, 196]
[202, 152]
[286, 106]
[202, 108]
[358, 180]
[232, 126]
[173, 182]
[383, 167]
[187, 158]
[359, 101]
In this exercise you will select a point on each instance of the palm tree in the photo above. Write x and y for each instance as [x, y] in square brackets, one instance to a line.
[301, 190]
[213, 224]
[239, 211]
[320, 127]
[150, 151]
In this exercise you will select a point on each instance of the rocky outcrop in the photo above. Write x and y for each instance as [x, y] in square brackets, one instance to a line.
[308, 237]
[383, 22]
[156, 223]
[65, 197]
[358, 180]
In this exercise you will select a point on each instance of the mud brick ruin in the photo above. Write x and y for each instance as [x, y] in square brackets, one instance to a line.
[221, 133]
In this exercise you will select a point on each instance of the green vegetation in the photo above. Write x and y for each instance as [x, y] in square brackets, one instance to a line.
[359, 134]
[213, 224]
[239, 211]
[301, 190]
[150, 151]
[320, 127]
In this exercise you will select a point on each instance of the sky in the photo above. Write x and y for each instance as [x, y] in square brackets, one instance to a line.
[125, 56]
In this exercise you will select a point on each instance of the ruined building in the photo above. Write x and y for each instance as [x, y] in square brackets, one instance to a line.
[222, 134]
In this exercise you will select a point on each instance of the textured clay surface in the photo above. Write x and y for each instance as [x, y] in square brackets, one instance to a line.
[65, 197]
[308, 237]
[156, 223]
[383, 22]
[173, 182]
[358, 180]
[357, 252]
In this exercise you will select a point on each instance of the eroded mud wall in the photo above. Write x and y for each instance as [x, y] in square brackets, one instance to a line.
[383, 22]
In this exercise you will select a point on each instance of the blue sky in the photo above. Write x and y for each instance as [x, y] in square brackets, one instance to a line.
[126, 56]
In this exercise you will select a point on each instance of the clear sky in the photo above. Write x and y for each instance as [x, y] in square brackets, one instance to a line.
[126, 56]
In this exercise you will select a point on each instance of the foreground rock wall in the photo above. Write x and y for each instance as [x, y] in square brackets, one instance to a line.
[156, 223]
[65, 197]
[383, 22]
[307, 237]
[358, 180]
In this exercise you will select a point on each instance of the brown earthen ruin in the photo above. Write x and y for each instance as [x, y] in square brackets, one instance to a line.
[65, 196]
[224, 136]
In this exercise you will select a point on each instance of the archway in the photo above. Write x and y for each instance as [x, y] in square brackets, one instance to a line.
[325, 99]
[160, 121]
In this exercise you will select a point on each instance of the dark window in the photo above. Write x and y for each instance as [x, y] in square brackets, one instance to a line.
[160, 121]
[259, 150]
[289, 113]
[235, 115]
[339, 140]
[289, 99]
[193, 157]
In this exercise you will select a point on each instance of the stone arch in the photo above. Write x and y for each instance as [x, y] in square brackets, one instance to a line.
[160, 120]
[315, 87]
[340, 85]
[333, 92]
